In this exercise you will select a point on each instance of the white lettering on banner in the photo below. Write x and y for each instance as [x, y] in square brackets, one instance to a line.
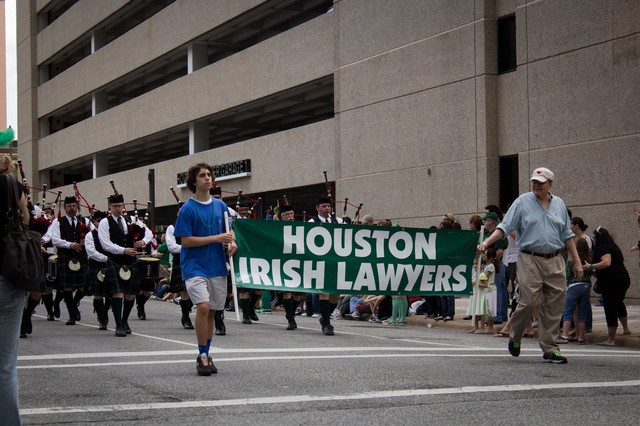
[428, 247]
[360, 240]
[427, 278]
[460, 283]
[325, 235]
[379, 277]
[380, 237]
[320, 241]
[365, 278]
[391, 275]
[342, 283]
[442, 278]
[310, 274]
[244, 273]
[405, 237]
[343, 246]
[290, 268]
[260, 271]
[291, 239]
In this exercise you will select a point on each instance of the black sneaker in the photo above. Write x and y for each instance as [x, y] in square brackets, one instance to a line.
[120, 332]
[514, 347]
[202, 366]
[126, 327]
[555, 358]
[186, 323]
[213, 368]
[292, 325]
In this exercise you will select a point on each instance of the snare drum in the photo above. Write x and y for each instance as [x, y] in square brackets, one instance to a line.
[149, 268]
[52, 267]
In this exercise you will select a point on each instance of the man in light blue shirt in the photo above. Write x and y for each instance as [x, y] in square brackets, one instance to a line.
[543, 228]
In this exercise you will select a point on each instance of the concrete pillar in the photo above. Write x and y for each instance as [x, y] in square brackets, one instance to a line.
[198, 137]
[98, 40]
[196, 57]
[98, 103]
[100, 165]
[45, 130]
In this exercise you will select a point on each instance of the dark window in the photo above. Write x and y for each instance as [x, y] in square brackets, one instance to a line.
[507, 44]
[508, 170]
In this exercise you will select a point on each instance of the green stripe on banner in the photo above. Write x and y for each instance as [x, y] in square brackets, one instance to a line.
[350, 259]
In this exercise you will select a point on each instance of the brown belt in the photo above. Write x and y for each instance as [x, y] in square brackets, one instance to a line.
[545, 255]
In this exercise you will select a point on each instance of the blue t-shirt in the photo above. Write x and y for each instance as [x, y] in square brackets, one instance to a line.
[198, 219]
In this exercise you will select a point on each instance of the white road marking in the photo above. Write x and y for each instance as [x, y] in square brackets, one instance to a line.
[310, 357]
[319, 398]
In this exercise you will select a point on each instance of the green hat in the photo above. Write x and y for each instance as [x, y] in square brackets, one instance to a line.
[491, 216]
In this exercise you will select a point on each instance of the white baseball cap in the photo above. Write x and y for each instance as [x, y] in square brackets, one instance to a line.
[542, 174]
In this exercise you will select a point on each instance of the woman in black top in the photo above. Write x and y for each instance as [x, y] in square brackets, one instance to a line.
[12, 304]
[613, 278]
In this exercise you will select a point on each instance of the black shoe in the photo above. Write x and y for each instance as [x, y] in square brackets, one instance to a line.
[202, 366]
[78, 316]
[221, 330]
[56, 310]
[126, 327]
[142, 315]
[28, 327]
[72, 321]
[23, 334]
[246, 321]
[213, 368]
[186, 323]
[514, 348]
[50, 317]
[253, 316]
[102, 325]
[120, 332]
[292, 325]
[467, 318]
[555, 358]
[327, 330]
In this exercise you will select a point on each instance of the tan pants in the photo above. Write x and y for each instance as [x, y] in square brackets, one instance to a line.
[542, 283]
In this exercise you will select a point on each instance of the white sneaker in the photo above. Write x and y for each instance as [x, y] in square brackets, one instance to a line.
[315, 316]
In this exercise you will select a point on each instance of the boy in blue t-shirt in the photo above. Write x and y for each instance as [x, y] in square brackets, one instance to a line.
[202, 258]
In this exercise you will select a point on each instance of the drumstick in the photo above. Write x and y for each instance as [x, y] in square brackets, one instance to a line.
[233, 275]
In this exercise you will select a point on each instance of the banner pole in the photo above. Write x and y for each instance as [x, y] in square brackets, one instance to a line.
[233, 274]
[477, 284]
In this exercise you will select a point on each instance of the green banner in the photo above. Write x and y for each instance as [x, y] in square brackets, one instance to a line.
[350, 259]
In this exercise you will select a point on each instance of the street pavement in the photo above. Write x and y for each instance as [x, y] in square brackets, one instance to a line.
[368, 373]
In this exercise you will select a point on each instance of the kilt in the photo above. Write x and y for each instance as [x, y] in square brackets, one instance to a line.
[109, 286]
[176, 284]
[66, 277]
[42, 286]
[132, 285]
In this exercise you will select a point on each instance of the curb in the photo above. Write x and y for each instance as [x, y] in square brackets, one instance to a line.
[630, 341]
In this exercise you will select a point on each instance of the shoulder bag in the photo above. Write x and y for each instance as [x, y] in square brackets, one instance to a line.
[22, 263]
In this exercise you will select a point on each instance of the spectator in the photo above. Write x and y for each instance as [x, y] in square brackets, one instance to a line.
[491, 221]
[613, 278]
[577, 295]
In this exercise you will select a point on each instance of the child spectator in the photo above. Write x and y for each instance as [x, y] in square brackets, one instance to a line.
[577, 295]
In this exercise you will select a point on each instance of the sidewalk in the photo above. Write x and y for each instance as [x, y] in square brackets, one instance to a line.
[599, 333]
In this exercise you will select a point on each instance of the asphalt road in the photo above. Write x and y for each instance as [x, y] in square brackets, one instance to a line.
[367, 373]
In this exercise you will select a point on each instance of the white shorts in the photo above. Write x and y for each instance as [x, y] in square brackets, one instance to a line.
[213, 290]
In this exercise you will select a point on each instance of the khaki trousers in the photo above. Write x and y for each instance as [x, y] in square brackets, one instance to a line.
[542, 282]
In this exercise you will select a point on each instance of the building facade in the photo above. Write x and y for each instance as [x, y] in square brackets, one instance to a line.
[414, 108]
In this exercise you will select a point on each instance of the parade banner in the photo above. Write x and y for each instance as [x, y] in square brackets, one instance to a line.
[350, 259]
